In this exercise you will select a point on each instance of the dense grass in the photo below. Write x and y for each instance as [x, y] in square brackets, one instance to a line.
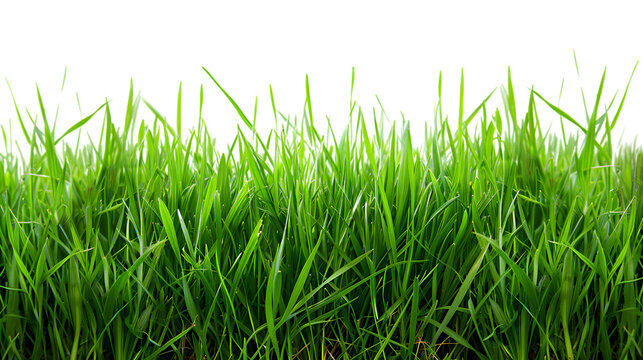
[499, 242]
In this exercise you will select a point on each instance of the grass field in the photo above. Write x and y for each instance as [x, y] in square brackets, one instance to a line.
[490, 239]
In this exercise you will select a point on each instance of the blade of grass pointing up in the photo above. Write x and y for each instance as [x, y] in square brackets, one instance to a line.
[234, 104]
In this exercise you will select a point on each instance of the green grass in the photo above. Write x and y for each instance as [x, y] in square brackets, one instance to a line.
[490, 239]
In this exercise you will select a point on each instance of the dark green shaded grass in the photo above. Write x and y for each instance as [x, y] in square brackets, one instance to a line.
[500, 242]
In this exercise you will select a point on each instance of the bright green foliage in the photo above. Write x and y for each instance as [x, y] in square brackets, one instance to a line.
[498, 242]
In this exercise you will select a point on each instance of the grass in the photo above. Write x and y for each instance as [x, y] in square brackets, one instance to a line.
[499, 242]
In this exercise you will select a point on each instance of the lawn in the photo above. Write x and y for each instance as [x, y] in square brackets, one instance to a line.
[491, 238]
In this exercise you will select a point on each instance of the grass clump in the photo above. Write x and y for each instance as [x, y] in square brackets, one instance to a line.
[499, 242]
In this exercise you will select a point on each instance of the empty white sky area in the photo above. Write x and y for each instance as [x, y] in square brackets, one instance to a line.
[397, 48]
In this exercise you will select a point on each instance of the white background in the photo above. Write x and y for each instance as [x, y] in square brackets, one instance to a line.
[397, 48]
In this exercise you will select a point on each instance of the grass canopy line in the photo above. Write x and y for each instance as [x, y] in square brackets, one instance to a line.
[494, 239]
